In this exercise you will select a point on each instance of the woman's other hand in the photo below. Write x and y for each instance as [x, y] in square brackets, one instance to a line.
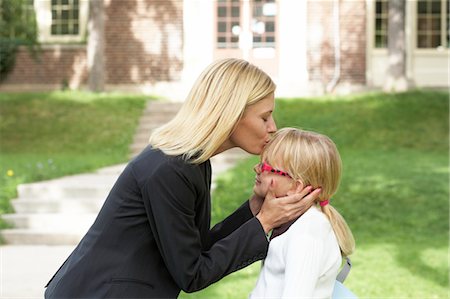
[276, 211]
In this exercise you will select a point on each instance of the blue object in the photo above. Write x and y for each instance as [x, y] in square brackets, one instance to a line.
[341, 292]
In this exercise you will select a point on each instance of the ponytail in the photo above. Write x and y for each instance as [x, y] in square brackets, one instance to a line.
[341, 230]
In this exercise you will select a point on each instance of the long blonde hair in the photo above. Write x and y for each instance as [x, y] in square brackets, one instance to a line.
[212, 109]
[313, 159]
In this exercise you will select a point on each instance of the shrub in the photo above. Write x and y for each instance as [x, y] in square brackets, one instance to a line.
[17, 28]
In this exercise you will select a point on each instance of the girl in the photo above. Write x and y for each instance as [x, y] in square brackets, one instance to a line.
[305, 254]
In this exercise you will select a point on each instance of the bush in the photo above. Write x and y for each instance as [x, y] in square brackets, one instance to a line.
[8, 50]
[17, 28]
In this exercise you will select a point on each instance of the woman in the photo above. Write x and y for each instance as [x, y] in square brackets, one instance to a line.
[304, 255]
[152, 237]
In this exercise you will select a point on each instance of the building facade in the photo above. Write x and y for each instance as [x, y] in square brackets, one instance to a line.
[307, 46]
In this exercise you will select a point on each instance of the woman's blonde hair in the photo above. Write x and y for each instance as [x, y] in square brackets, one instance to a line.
[313, 159]
[212, 109]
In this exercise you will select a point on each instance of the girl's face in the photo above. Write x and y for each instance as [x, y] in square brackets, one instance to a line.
[253, 131]
[266, 174]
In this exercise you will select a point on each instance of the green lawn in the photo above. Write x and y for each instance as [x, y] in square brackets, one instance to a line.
[48, 135]
[394, 192]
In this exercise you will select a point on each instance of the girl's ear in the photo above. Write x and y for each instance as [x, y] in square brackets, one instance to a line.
[297, 186]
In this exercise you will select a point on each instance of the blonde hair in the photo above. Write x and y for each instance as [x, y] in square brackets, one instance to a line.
[212, 109]
[313, 159]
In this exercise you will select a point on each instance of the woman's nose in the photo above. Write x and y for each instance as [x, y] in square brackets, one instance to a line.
[272, 126]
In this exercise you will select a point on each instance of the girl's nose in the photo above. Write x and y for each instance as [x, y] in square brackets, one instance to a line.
[257, 168]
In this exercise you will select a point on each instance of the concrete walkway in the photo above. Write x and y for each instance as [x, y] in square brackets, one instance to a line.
[25, 270]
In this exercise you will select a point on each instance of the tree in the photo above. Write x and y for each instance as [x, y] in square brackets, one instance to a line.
[396, 73]
[96, 46]
[17, 28]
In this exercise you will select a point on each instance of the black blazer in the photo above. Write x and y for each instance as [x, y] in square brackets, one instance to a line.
[152, 237]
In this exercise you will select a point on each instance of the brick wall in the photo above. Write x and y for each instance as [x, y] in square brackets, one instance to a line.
[143, 45]
[55, 65]
[143, 41]
[321, 61]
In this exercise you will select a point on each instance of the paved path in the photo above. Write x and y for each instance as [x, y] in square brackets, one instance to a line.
[26, 269]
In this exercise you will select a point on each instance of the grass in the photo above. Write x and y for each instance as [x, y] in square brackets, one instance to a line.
[48, 135]
[394, 192]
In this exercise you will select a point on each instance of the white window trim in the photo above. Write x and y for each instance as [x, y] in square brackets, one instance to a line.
[44, 22]
[370, 30]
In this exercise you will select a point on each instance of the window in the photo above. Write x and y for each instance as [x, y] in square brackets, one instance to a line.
[432, 23]
[65, 17]
[62, 21]
[228, 23]
[258, 23]
[381, 23]
[263, 23]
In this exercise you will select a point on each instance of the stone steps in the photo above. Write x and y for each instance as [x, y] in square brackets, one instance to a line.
[155, 114]
[54, 222]
[65, 206]
[37, 237]
[59, 211]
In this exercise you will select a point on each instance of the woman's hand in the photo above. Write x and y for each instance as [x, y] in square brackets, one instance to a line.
[276, 211]
[255, 204]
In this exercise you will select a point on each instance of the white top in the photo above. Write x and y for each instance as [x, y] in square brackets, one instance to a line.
[301, 263]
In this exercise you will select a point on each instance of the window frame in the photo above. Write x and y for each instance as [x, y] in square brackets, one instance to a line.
[264, 18]
[245, 22]
[383, 15]
[43, 10]
[443, 24]
[228, 20]
[411, 27]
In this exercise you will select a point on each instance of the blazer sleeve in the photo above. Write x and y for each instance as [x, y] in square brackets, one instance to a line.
[170, 197]
[231, 223]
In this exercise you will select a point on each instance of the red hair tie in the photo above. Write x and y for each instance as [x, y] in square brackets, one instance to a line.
[324, 203]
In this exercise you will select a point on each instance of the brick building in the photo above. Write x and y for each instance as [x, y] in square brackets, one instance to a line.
[307, 46]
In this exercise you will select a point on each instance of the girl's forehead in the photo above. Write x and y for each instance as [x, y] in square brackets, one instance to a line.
[273, 158]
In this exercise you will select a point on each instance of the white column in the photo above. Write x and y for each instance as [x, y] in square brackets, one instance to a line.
[245, 37]
[292, 45]
[198, 18]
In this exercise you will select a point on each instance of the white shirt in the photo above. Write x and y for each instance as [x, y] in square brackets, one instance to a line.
[301, 263]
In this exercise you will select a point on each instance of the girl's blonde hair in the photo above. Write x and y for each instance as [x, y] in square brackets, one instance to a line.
[212, 109]
[313, 159]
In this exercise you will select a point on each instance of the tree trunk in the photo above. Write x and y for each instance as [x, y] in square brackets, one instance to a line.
[396, 72]
[96, 46]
